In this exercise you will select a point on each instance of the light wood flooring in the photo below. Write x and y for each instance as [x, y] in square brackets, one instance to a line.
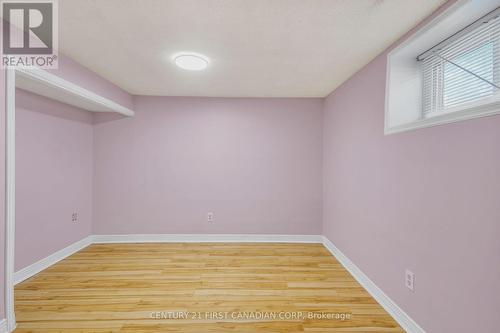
[222, 287]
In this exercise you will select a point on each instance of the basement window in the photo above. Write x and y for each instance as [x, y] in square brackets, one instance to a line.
[456, 78]
[464, 73]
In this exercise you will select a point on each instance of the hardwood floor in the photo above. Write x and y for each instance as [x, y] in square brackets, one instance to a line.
[221, 287]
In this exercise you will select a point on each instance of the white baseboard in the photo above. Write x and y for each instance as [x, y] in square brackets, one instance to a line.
[46, 262]
[408, 324]
[3, 326]
[207, 238]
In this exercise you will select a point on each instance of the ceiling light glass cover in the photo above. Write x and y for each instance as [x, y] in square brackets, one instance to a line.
[191, 61]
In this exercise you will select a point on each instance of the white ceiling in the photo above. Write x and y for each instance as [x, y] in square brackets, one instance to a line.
[258, 48]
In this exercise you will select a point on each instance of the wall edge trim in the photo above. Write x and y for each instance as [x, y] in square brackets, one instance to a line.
[3, 326]
[403, 319]
[50, 260]
[37, 267]
[204, 238]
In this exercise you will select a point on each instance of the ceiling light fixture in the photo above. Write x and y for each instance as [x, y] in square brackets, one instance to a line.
[191, 61]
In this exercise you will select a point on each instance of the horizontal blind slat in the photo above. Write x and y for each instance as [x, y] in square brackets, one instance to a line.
[446, 85]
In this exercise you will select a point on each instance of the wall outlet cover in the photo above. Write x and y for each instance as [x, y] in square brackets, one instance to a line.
[210, 217]
[410, 280]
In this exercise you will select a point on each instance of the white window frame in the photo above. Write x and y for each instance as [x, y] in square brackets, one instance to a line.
[404, 81]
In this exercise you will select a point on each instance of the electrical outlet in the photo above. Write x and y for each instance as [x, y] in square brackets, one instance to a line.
[410, 280]
[74, 217]
[210, 217]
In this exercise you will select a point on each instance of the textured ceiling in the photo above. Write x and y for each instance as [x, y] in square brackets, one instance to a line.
[258, 48]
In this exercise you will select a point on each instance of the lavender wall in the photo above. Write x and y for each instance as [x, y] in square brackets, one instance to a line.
[53, 176]
[426, 200]
[255, 163]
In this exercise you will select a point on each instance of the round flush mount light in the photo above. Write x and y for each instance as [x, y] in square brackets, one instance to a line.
[191, 61]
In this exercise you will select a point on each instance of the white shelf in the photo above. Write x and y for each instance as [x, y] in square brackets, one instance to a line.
[52, 86]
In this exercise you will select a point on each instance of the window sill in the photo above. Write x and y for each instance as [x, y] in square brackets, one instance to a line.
[447, 118]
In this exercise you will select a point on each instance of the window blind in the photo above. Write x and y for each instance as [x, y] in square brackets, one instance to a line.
[463, 72]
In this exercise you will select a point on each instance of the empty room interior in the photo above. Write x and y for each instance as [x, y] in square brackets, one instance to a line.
[250, 166]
